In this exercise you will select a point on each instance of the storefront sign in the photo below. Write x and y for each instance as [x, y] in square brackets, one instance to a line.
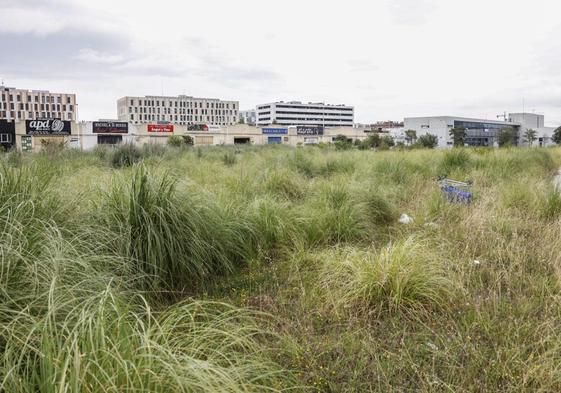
[47, 127]
[160, 127]
[309, 130]
[110, 127]
[275, 131]
[197, 127]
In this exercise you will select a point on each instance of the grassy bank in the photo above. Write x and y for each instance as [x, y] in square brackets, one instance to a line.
[273, 269]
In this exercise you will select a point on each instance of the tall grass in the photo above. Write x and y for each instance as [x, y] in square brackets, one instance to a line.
[72, 313]
[404, 274]
[101, 270]
[178, 241]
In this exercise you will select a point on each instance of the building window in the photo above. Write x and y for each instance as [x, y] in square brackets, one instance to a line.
[5, 138]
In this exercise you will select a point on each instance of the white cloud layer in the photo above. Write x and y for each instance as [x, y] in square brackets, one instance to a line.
[389, 58]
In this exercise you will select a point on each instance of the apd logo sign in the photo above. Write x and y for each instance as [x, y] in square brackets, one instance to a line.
[47, 127]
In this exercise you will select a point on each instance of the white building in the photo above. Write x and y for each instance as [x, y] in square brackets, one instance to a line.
[177, 110]
[248, 117]
[481, 132]
[20, 105]
[299, 114]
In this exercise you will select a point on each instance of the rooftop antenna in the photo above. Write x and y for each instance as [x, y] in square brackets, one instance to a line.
[503, 116]
[2, 82]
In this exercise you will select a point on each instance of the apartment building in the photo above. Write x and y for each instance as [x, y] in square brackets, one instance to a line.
[296, 113]
[182, 110]
[20, 105]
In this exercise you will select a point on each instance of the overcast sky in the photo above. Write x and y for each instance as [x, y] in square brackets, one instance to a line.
[388, 58]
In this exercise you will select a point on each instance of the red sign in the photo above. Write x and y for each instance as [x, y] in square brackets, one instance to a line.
[160, 127]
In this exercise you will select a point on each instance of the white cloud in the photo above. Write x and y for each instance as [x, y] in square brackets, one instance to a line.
[389, 59]
[89, 55]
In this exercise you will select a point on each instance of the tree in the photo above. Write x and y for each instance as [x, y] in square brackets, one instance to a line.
[557, 136]
[506, 137]
[375, 141]
[428, 141]
[372, 141]
[530, 136]
[458, 136]
[342, 142]
[410, 136]
[387, 142]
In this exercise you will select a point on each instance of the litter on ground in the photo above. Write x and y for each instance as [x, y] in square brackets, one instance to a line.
[405, 219]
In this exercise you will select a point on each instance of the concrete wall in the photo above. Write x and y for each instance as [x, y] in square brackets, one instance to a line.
[528, 120]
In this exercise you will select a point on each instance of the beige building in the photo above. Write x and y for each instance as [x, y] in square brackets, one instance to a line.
[181, 110]
[20, 105]
[36, 135]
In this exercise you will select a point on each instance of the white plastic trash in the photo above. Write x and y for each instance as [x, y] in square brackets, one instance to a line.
[405, 219]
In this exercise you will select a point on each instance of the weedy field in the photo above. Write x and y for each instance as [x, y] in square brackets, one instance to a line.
[274, 269]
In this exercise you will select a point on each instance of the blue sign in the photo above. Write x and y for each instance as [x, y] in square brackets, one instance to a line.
[275, 131]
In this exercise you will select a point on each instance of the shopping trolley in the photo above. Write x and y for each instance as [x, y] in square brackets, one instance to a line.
[456, 191]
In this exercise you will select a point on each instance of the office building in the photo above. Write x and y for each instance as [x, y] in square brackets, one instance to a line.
[20, 105]
[480, 132]
[248, 117]
[183, 110]
[296, 113]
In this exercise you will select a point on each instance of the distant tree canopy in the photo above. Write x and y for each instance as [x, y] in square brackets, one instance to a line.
[410, 136]
[506, 137]
[377, 141]
[530, 136]
[428, 141]
[342, 142]
[458, 136]
[557, 136]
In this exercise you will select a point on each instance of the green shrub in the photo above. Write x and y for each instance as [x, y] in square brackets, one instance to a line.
[188, 140]
[428, 141]
[343, 143]
[175, 141]
[126, 155]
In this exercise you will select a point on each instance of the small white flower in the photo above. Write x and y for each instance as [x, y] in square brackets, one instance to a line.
[432, 346]
[476, 262]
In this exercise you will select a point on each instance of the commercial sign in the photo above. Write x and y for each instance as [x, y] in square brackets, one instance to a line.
[275, 131]
[197, 127]
[47, 127]
[309, 130]
[160, 127]
[110, 127]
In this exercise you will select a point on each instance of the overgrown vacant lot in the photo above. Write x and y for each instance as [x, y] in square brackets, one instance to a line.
[273, 269]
